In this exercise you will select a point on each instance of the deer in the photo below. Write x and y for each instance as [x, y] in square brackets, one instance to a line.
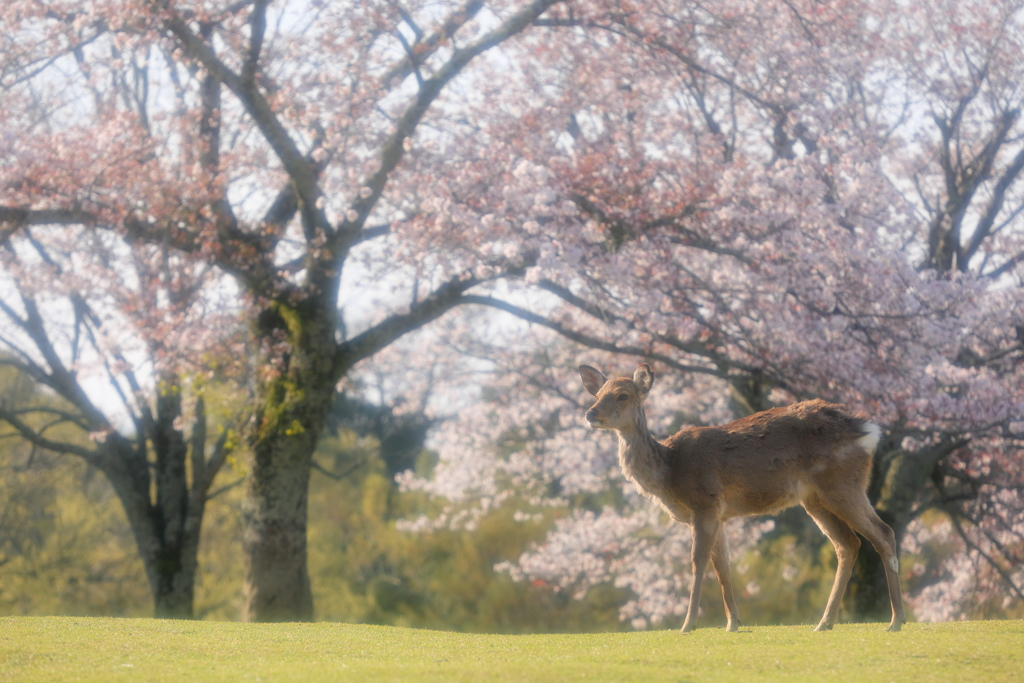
[810, 453]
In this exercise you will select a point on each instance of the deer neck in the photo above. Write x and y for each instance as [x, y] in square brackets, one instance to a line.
[641, 457]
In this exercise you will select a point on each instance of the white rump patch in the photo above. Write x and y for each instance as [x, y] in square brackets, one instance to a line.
[870, 440]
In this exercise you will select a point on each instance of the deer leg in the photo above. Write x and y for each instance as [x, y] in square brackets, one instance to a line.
[720, 561]
[704, 528]
[846, 544]
[862, 517]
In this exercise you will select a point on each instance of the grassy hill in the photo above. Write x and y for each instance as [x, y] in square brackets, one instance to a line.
[88, 649]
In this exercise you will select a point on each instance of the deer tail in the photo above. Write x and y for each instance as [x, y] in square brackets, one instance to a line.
[871, 435]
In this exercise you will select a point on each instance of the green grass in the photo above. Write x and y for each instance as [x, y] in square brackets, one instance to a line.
[84, 649]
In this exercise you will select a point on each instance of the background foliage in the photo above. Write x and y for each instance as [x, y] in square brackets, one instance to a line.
[766, 200]
[66, 548]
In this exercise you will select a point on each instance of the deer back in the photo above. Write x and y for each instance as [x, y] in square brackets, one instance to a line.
[769, 460]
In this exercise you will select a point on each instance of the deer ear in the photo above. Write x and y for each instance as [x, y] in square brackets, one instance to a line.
[643, 379]
[593, 380]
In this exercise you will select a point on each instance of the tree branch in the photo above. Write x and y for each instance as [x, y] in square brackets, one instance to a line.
[995, 205]
[59, 378]
[62, 414]
[608, 317]
[393, 150]
[224, 489]
[1006, 267]
[427, 47]
[19, 217]
[440, 301]
[258, 26]
[221, 450]
[336, 476]
[991, 561]
[295, 164]
[37, 439]
[586, 340]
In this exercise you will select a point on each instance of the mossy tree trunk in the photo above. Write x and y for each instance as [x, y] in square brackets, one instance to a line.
[301, 361]
[293, 400]
[295, 321]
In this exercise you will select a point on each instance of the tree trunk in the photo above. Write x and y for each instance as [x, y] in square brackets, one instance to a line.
[170, 568]
[175, 566]
[274, 539]
[174, 592]
[174, 580]
[289, 417]
[166, 530]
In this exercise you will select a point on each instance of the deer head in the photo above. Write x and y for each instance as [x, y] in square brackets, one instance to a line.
[619, 400]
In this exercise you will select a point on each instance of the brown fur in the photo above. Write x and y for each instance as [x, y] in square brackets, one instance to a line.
[812, 454]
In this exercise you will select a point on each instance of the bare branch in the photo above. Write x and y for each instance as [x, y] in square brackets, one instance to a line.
[586, 340]
[258, 26]
[224, 489]
[19, 217]
[984, 227]
[412, 57]
[198, 448]
[338, 476]
[221, 450]
[1006, 267]
[440, 301]
[427, 47]
[991, 561]
[33, 437]
[374, 232]
[62, 415]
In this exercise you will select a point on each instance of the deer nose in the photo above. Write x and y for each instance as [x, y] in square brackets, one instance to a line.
[591, 415]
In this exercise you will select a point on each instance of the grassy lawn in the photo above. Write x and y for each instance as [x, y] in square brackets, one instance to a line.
[84, 649]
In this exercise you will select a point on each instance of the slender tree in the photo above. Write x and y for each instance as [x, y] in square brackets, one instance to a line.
[62, 328]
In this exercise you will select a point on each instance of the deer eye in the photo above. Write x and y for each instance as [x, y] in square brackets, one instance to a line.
[622, 397]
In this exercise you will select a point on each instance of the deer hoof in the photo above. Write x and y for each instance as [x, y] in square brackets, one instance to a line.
[823, 627]
[895, 626]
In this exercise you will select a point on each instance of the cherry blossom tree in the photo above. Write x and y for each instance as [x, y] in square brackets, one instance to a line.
[788, 200]
[80, 307]
[771, 201]
[264, 140]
